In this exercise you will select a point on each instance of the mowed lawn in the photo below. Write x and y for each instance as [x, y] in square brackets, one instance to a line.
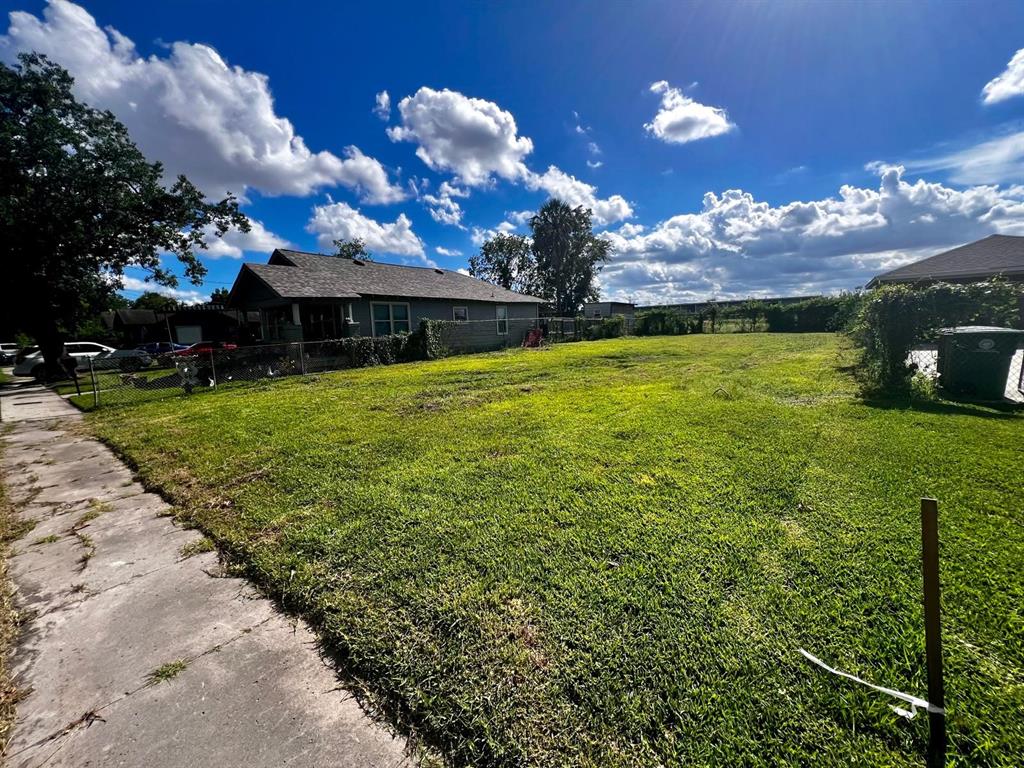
[608, 553]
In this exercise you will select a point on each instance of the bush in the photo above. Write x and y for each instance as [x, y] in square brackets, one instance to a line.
[814, 315]
[894, 318]
[609, 328]
[666, 322]
[430, 339]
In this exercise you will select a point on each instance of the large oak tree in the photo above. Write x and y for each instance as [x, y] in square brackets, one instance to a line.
[80, 203]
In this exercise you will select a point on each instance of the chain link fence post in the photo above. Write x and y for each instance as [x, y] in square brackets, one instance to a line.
[95, 387]
[302, 359]
[213, 368]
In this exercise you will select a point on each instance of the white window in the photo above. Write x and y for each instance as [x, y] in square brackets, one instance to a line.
[460, 314]
[501, 315]
[389, 318]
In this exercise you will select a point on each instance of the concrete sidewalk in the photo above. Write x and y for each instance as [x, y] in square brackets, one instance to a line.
[112, 600]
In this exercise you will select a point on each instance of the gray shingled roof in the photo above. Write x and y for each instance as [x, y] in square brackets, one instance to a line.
[994, 255]
[298, 275]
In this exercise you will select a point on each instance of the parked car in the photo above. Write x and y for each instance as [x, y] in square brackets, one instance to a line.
[205, 348]
[82, 351]
[161, 347]
[23, 353]
[7, 353]
[122, 360]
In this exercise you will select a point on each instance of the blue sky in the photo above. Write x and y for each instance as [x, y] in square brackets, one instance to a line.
[726, 149]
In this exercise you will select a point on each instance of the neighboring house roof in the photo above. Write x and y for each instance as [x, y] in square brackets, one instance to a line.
[982, 259]
[299, 275]
[146, 317]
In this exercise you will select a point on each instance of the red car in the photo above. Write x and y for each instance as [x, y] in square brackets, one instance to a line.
[204, 348]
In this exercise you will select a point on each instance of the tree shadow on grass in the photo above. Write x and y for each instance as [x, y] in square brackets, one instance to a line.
[981, 409]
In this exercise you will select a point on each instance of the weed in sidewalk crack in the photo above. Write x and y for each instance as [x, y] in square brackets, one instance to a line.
[166, 672]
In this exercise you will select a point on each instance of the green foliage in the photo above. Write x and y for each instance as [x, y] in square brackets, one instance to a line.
[894, 318]
[431, 339]
[219, 296]
[568, 256]
[80, 204]
[666, 322]
[507, 260]
[608, 328]
[814, 315]
[607, 554]
[155, 301]
[352, 249]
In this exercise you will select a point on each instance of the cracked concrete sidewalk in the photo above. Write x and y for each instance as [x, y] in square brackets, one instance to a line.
[254, 691]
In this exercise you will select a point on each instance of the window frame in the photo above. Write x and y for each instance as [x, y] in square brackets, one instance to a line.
[455, 310]
[391, 317]
[499, 320]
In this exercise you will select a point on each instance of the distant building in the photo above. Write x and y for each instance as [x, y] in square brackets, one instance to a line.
[993, 256]
[599, 309]
[185, 325]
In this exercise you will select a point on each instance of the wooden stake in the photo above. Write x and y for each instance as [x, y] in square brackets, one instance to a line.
[933, 633]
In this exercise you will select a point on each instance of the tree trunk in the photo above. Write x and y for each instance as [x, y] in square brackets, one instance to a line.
[51, 343]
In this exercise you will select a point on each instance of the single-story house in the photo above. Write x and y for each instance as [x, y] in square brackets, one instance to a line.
[186, 325]
[309, 297]
[599, 309]
[993, 256]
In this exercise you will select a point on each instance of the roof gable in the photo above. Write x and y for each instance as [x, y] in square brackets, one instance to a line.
[989, 257]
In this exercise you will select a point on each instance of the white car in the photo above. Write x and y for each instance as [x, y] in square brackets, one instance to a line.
[80, 350]
[122, 360]
[7, 353]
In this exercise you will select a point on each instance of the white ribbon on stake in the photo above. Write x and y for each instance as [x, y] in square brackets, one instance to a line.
[913, 701]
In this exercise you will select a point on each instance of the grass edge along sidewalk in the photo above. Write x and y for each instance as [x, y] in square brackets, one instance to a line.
[609, 553]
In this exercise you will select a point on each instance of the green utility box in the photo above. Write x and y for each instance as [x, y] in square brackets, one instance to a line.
[974, 360]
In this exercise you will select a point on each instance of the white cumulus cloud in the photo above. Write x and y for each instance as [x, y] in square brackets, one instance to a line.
[681, 119]
[1008, 83]
[478, 142]
[571, 190]
[190, 109]
[442, 251]
[737, 246]
[340, 221]
[234, 244]
[382, 106]
[186, 296]
[473, 138]
[443, 207]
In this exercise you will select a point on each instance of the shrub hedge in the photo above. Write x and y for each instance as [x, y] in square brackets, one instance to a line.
[666, 322]
[609, 327]
[815, 315]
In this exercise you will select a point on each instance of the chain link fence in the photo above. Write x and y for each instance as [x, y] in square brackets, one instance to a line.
[181, 374]
[925, 358]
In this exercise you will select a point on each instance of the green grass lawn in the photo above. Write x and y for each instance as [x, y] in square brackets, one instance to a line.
[608, 553]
